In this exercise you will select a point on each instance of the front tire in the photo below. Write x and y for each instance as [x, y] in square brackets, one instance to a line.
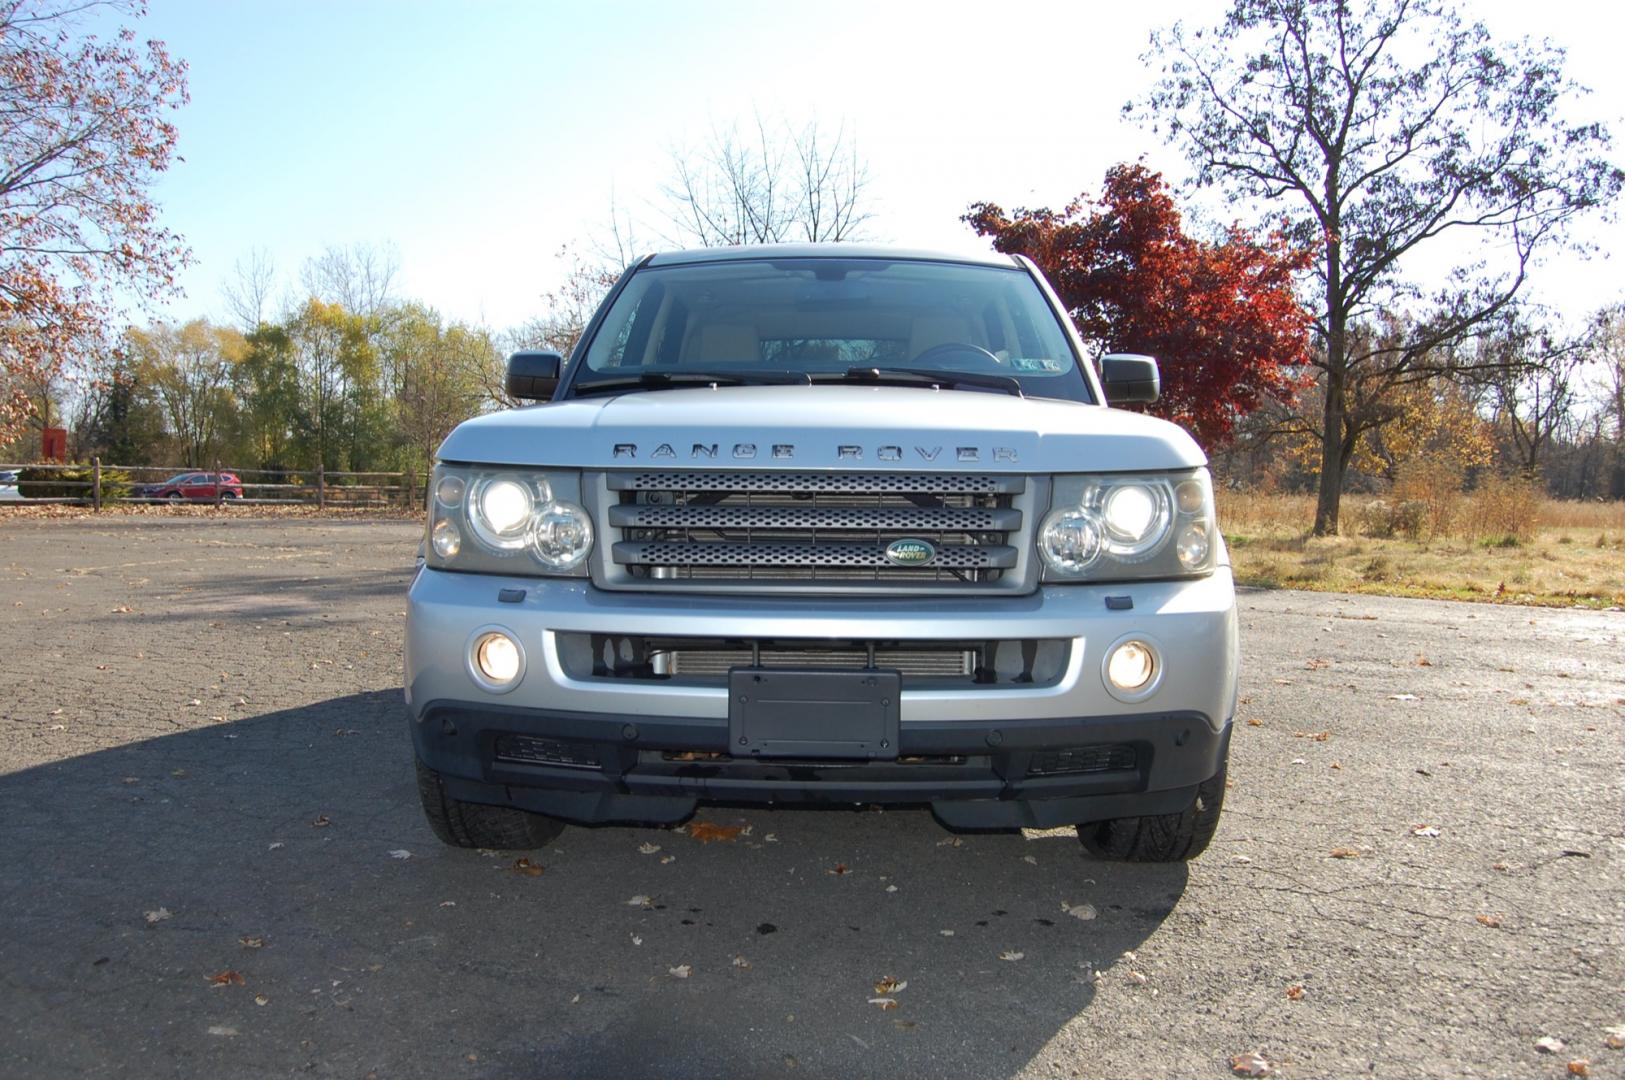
[475, 825]
[1159, 837]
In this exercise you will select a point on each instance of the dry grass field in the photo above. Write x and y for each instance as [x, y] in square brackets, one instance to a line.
[1503, 545]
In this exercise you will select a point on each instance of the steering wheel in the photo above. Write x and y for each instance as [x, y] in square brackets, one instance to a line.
[983, 360]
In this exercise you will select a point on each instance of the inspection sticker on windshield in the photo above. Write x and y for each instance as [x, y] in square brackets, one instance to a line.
[1037, 363]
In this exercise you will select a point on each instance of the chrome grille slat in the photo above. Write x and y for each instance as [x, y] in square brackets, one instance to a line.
[907, 519]
[770, 553]
[850, 483]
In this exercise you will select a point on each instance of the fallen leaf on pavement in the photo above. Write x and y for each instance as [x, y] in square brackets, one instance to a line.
[400, 853]
[707, 831]
[322, 821]
[1253, 721]
[1011, 954]
[741, 962]
[1546, 1044]
[952, 841]
[1614, 1037]
[1402, 697]
[648, 849]
[276, 845]
[261, 999]
[1425, 830]
[1294, 992]
[1345, 853]
[1136, 977]
[527, 868]
[1315, 663]
[252, 941]
[1580, 1067]
[839, 869]
[641, 901]
[1029, 859]
[889, 984]
[226, 978]
[1252, 1063]
[1488, 920]
[1080, 911]
[883, 1002]
[158, 916]
[681, 971]
[664, 859]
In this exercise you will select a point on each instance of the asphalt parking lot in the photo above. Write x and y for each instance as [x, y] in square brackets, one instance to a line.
[214, 863]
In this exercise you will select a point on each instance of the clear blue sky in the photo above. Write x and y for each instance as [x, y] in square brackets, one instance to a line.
[479, 137]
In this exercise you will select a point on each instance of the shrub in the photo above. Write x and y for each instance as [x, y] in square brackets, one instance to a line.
[72, 483]
[1427, 493]
[1502, 509]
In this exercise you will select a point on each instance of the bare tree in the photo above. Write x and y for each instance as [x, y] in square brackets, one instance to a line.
[1534, 394]
[248, 291]
[771, 184]
[359, 278]
[1376, 129]
[569, 307]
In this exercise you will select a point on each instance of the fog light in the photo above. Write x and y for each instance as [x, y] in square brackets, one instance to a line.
[497, 657]
[1131, 666]
[446, 539]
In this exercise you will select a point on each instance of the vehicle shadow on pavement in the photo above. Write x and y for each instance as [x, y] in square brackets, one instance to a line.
[284, 857]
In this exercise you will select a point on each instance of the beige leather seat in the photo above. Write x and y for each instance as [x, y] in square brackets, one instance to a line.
[723, 343]
[930, 331]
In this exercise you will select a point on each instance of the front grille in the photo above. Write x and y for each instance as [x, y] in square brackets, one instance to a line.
[767, 530]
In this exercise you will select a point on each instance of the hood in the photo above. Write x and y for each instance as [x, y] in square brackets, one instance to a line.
[799, 427]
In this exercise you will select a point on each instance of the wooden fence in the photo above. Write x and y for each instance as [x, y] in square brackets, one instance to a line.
[97, 485]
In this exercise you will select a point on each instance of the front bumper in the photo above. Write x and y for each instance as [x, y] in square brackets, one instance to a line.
[633, 750]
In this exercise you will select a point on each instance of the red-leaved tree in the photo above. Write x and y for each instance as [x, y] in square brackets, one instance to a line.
[83, 135]
[1221, 318]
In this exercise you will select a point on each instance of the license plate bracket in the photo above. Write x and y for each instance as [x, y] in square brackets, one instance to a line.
[798, 713]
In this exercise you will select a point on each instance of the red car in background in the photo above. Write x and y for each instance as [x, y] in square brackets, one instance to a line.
[193, 487]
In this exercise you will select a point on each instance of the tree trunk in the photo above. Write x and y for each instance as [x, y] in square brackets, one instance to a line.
[1332, 457]
[1330, 500]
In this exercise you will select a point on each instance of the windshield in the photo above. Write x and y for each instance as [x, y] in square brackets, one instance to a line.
[828, 316]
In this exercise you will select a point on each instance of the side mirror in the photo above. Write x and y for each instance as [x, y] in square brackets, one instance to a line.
[533, 374]
[1130, 379]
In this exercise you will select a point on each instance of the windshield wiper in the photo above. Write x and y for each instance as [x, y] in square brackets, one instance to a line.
[671, 380]
[894, 376]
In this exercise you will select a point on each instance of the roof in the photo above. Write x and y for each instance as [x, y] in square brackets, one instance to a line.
[825, 251]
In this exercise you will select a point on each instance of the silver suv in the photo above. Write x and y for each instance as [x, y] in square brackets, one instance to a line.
[825, 524]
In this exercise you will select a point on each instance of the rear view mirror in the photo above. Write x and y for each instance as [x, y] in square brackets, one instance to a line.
[1130, 379]
[533, 374]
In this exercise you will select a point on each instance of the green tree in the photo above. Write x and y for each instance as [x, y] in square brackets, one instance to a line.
[1381, 129]
[337, 374]
[189, 370]
[267, 384]
[436, 374]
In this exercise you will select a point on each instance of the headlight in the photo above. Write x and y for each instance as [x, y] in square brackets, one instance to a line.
[507, 521]
[1105, 528]
[562, 535]
[500, 509]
